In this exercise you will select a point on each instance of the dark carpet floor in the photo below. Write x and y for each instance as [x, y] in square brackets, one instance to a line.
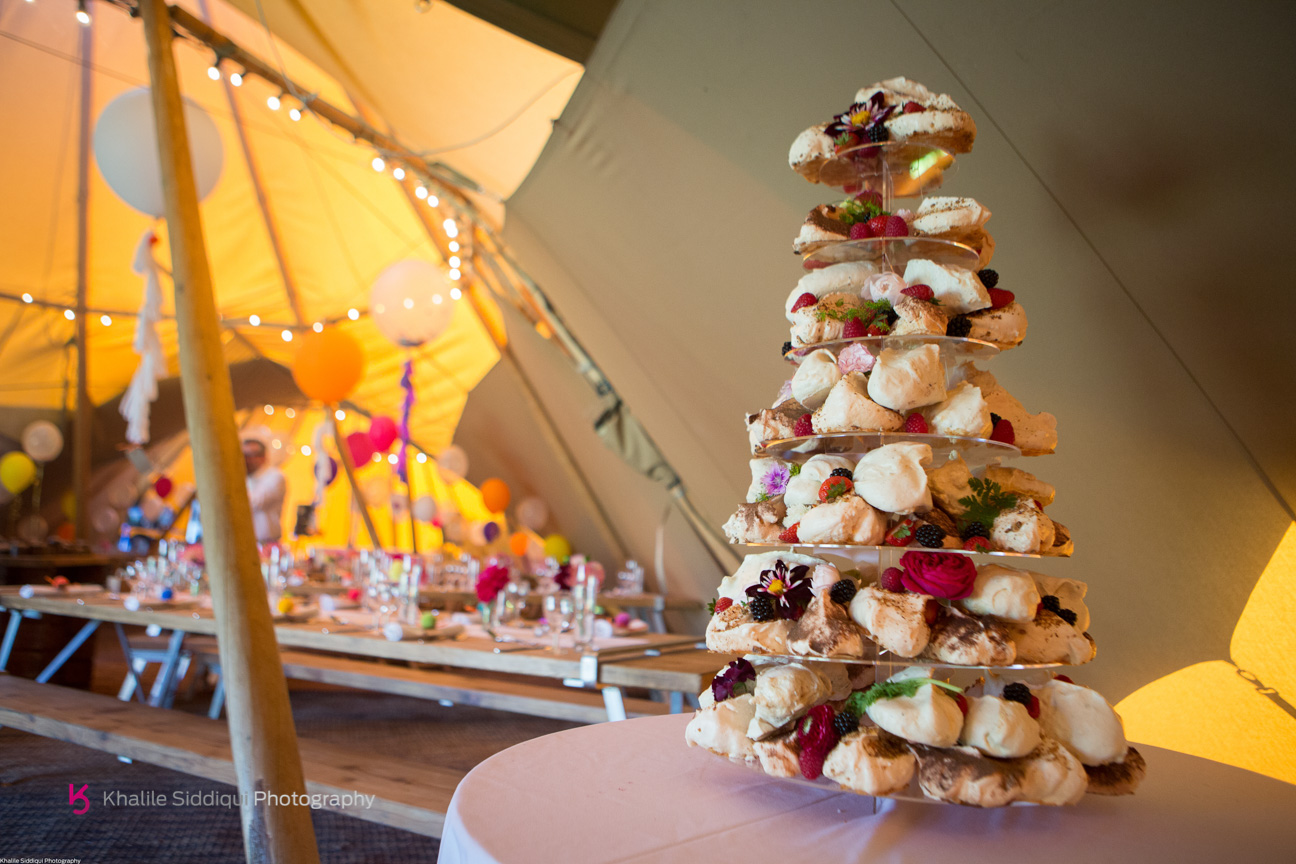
[36, 819]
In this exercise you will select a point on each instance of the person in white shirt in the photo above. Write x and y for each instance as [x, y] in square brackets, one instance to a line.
[266, 491]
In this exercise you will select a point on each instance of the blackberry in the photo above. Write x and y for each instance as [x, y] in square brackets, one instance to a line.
[842, 472]
[974, 529]
[1068, 616]
[930, 536]
[843, 592]
[1018, 692]
[994, 419]
[988, 277]
[1052, 603]
[959, 325]
[845, 722]
[761, 607]
[787, 346]
[877, 133]
[892, 317]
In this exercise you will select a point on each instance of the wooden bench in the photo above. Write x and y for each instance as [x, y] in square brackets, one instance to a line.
[408, 795]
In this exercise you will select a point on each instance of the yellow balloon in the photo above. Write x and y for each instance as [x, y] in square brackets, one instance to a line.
[17, 471]
[68, 504]
[557, 546]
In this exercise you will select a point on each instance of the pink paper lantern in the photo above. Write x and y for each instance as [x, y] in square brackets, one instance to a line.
[383, 433]
[361, 447]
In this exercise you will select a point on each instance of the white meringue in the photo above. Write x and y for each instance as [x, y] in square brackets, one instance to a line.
[905, 379]
[999, 727]
[963, 412]
[958, 290]
[849, 277]
[815, 376]
[722, 728]
[928, 717]
[892, 477]
[803, 489]
[848, 519]
[1082, 721]
[1002, 592]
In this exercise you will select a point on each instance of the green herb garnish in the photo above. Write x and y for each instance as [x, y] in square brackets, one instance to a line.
[860, 700]
[988, 500]
[853, 210]
[839, 311]
[711, 607]
[794, 469]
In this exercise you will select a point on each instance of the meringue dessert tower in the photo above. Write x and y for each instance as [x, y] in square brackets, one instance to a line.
[894, 638]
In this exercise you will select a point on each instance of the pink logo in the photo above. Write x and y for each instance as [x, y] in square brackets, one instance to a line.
[78, 795]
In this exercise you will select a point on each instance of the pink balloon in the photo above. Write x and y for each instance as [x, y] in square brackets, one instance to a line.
[383, 433]
[162, 486]
[361, 447]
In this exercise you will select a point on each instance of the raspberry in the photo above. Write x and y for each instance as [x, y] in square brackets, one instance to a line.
[902, 533]
[860, 231]
[854, 328]
[1051, 603]
[916, 424]
[835, 487]
[845, 723]
[761, 607]
[804, 426]
[1033, 709]
[959, 325]
[930, 536]
[896, 227]
[1063, 678]
[962, 702]
[919, 292]
[812, 764]
[789, 534]
[722, 604]
[974, 529]
[988, 277]
[1068, 616]
[912, 107]
[1000, 298]
[977, 544]
[806, 299]
[841, 472]
[1018, 692]
[843, 592]
[877, 225]
[814, 731]
[877, 133]
[1003, 433]
[787, 346]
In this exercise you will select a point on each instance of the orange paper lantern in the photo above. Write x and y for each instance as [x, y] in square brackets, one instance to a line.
[328, 365]
[495, 495]
[518, 544]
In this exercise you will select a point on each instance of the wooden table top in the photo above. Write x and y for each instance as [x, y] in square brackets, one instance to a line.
[661, 661]
[469, 598]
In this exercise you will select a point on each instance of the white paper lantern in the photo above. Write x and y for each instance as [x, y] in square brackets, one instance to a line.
[152, 507]
[410, 302]
[33, 529]
[454, 461]
[121, 494]
[425, 508]
[125, 148]
[105, 520]
[532, 513]
[453, 528]
[42, 441]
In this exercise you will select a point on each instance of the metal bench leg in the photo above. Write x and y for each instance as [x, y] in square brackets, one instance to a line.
[218, 698]
[11, 633]
[614, 702]
[164, 686]
[131, 681]
[138, 689]
[676, 702]
[68, 650]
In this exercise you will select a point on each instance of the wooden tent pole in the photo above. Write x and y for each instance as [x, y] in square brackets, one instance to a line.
[262, 736]
[344, 455]
[84, 410]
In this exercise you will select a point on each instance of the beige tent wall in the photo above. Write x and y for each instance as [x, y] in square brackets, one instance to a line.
[1133, 155]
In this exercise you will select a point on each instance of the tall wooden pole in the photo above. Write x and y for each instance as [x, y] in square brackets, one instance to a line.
[81, 428]
[262, 736]
[344, 456]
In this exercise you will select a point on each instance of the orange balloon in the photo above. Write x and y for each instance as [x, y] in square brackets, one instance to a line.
[66, 531]
[518, 544]
[328, 365]
[495, 495]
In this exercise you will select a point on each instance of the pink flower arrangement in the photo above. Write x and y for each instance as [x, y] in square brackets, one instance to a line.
[940, 575]
[491, 581]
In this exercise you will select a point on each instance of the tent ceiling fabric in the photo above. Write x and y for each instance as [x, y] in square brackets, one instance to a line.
[474, 96]
[340, 223]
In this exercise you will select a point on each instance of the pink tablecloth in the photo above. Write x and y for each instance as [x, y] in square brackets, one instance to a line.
[632, 792]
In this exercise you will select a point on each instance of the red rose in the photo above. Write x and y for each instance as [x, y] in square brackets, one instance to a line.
[938, 574]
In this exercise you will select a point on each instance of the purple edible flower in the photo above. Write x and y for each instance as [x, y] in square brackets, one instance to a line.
[775, 482]
[734, 676]
[789, 589]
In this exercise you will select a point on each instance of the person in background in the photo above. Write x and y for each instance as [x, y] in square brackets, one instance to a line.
[266, 491]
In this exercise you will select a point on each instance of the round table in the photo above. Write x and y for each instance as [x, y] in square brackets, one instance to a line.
[633, 792]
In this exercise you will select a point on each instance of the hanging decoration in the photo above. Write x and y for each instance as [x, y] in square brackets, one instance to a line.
[557, 546]
[361, 448]
[328, 365]
[142, 391]
[17, 471]
[383, 433]
[453, 461]
[42, 441]
[163, 486]
[425, 509]
[532, 513]
[407, 405]
[495, 495]
[411, 302]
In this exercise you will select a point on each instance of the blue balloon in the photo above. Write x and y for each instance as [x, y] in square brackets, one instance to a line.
[167, 519]
[135, 516]
[141, 545]
[166, 593]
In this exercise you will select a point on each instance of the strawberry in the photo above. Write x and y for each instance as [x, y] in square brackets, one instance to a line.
[870, 196]
[912, 107]
[891, 580]
[878, 225]
[804, 426]
[1033, 709]
[962, 702]
[977, 544]
[722, 604]
[789, 534]
[919, 292]
[835, 487]
[876, 329]
[1000, 298]
[806, 299]
[895, 227]
[902, 533]
[1063, 678]
[931, 611]
[1003, 432]
[854, 328]
[860, 231]
[812, 264]
[916, 424]
[815, 731]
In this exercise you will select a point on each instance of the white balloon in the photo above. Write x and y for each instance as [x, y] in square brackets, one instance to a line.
[105, 521]
[125, 147]
[532, 513]
[453, 460]
[410, 302]
[425, 508]
[42, 441]
[152, 507]
[121, 494]
[453, 528]
[33, 529]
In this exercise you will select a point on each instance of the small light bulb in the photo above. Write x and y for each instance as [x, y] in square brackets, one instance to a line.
[377, 457]
[454, 261]
[306, 451]
[294, 114]
[287, 335]
[454, 245]
[254, 320]
[420, 192]
[353, 314]
[391, 458]
[213, 72]
[290, 413]
[277, 444]
[339, 414]
[433, 201]
[84, 17]
[398, 172]
[455, 274]
[269, 409]
[378, 163]
[422, 457]
[317, 327]
[105, 320]
[409, 303]
[274, 103]
[69, 314]
[455, 293]
[236, 78]
[436, 299]
[27, 298]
